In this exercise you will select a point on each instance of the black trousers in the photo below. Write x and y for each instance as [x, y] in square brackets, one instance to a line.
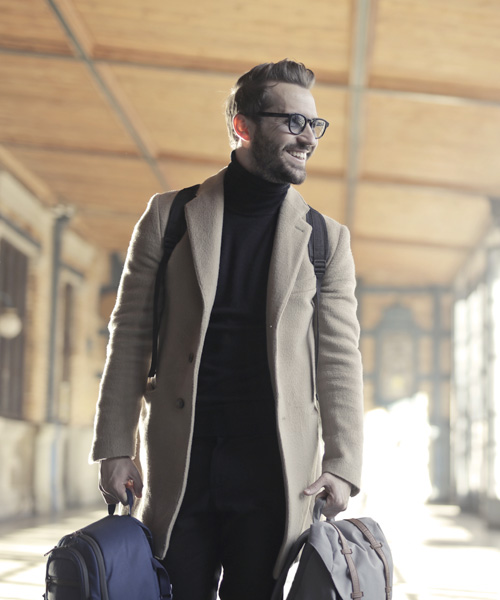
[232, 517]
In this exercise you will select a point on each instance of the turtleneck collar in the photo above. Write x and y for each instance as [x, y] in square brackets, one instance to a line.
[246, 193]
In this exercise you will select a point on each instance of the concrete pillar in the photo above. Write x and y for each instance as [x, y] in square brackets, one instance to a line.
[48, 481]
[16, 460]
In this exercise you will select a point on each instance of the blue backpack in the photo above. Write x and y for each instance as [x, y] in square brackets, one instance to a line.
[110, 559]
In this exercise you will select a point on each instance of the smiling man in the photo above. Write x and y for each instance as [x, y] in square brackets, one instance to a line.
[266, 147]
[229, 457]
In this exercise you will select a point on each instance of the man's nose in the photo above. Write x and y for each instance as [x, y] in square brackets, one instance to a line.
[307, 136]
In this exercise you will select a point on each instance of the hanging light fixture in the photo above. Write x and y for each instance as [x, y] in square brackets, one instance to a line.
[10, 321]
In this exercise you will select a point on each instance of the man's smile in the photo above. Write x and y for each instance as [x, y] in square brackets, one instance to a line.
[299, 154]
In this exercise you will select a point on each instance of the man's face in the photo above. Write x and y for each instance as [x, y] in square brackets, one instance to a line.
[278, 155]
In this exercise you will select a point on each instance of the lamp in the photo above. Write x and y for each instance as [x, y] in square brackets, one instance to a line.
[10, 321]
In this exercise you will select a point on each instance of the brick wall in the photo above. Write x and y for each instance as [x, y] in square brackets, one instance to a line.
[45, 464]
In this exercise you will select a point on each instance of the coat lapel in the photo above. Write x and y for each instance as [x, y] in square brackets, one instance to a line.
[204, 216]
[290, 244]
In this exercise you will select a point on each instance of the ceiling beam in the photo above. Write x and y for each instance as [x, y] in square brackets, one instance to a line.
[355, 111]
[394, 241]
[423, 95]
[74, 27]
[129, 122]
[198, 160]
[395, 180]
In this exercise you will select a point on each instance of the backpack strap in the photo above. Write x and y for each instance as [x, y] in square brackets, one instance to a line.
[318, 254]
[377, 547]
[294, 551]
[175, 229]
[163, 580]
[347, 554]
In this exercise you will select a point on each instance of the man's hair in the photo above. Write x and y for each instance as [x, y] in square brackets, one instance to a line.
[250, 95]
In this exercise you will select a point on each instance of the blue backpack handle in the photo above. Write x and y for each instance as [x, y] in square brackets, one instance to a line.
[318, 509]
[130, 502]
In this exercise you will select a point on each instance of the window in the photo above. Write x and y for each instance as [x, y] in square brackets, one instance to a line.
[13, 288]
[494, 408]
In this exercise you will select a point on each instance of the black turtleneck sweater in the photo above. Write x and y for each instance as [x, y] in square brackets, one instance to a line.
[235, 395]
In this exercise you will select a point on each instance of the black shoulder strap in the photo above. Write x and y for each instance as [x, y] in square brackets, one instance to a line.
[318, 253]
[175, 229]
[294, 551]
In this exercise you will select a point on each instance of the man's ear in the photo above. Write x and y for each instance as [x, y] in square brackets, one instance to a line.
[242, 127]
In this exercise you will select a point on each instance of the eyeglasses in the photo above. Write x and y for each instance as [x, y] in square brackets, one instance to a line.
[297, 123]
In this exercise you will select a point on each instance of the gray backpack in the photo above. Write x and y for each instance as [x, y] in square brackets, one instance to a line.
[341, 560]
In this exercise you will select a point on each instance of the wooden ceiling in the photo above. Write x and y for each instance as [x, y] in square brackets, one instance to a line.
[105, 102]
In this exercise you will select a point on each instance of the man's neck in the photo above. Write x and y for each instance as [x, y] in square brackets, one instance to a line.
[244, 158]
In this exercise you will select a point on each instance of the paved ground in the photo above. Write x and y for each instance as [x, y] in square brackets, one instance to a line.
[439, 554]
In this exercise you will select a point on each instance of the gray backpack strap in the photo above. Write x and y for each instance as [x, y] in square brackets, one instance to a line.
[377, 546]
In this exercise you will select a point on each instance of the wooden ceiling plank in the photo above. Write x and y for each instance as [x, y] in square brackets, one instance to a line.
[411, 243]
[472, 189]
[29, 25]
[119, 184]
[110, 234]
[198, 34]
[112, 100]
[183, 112]
[31, 181]
[128, 108]
[388, 263]
[77, 29]
[54, 103]
[326, 194]
[452, 144]
[449, 47]
[427, 217]
[396, 88]
[431, 97]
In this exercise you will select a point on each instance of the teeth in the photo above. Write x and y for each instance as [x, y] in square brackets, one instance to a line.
[299, 155]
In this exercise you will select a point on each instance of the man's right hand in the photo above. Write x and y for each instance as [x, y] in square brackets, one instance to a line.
[117, 474]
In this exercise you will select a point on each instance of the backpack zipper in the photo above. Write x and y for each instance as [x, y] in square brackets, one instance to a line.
[58, 581]
[100, 562]
[76, 557]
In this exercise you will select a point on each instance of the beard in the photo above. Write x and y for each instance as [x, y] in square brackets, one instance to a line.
[271, 162]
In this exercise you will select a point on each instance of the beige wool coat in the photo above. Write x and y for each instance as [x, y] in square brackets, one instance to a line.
[161, 416]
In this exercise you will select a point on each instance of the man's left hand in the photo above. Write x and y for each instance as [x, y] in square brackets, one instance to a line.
[336, 491]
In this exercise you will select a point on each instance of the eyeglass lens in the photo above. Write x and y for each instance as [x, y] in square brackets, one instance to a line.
[297, 124]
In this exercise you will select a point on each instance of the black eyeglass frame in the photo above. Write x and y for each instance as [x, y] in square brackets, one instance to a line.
[289, 116]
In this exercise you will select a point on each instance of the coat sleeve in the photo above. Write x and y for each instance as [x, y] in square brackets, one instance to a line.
[340, 382]
[129, 348]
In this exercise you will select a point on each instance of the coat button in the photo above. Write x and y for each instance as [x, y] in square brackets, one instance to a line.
[180, 403]
[191, 357]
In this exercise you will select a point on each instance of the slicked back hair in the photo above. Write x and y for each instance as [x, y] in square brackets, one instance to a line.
[250, 95]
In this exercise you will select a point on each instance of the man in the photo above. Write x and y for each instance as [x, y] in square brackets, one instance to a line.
[229, 430]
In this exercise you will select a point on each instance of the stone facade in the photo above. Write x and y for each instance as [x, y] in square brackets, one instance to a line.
[45, 445]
